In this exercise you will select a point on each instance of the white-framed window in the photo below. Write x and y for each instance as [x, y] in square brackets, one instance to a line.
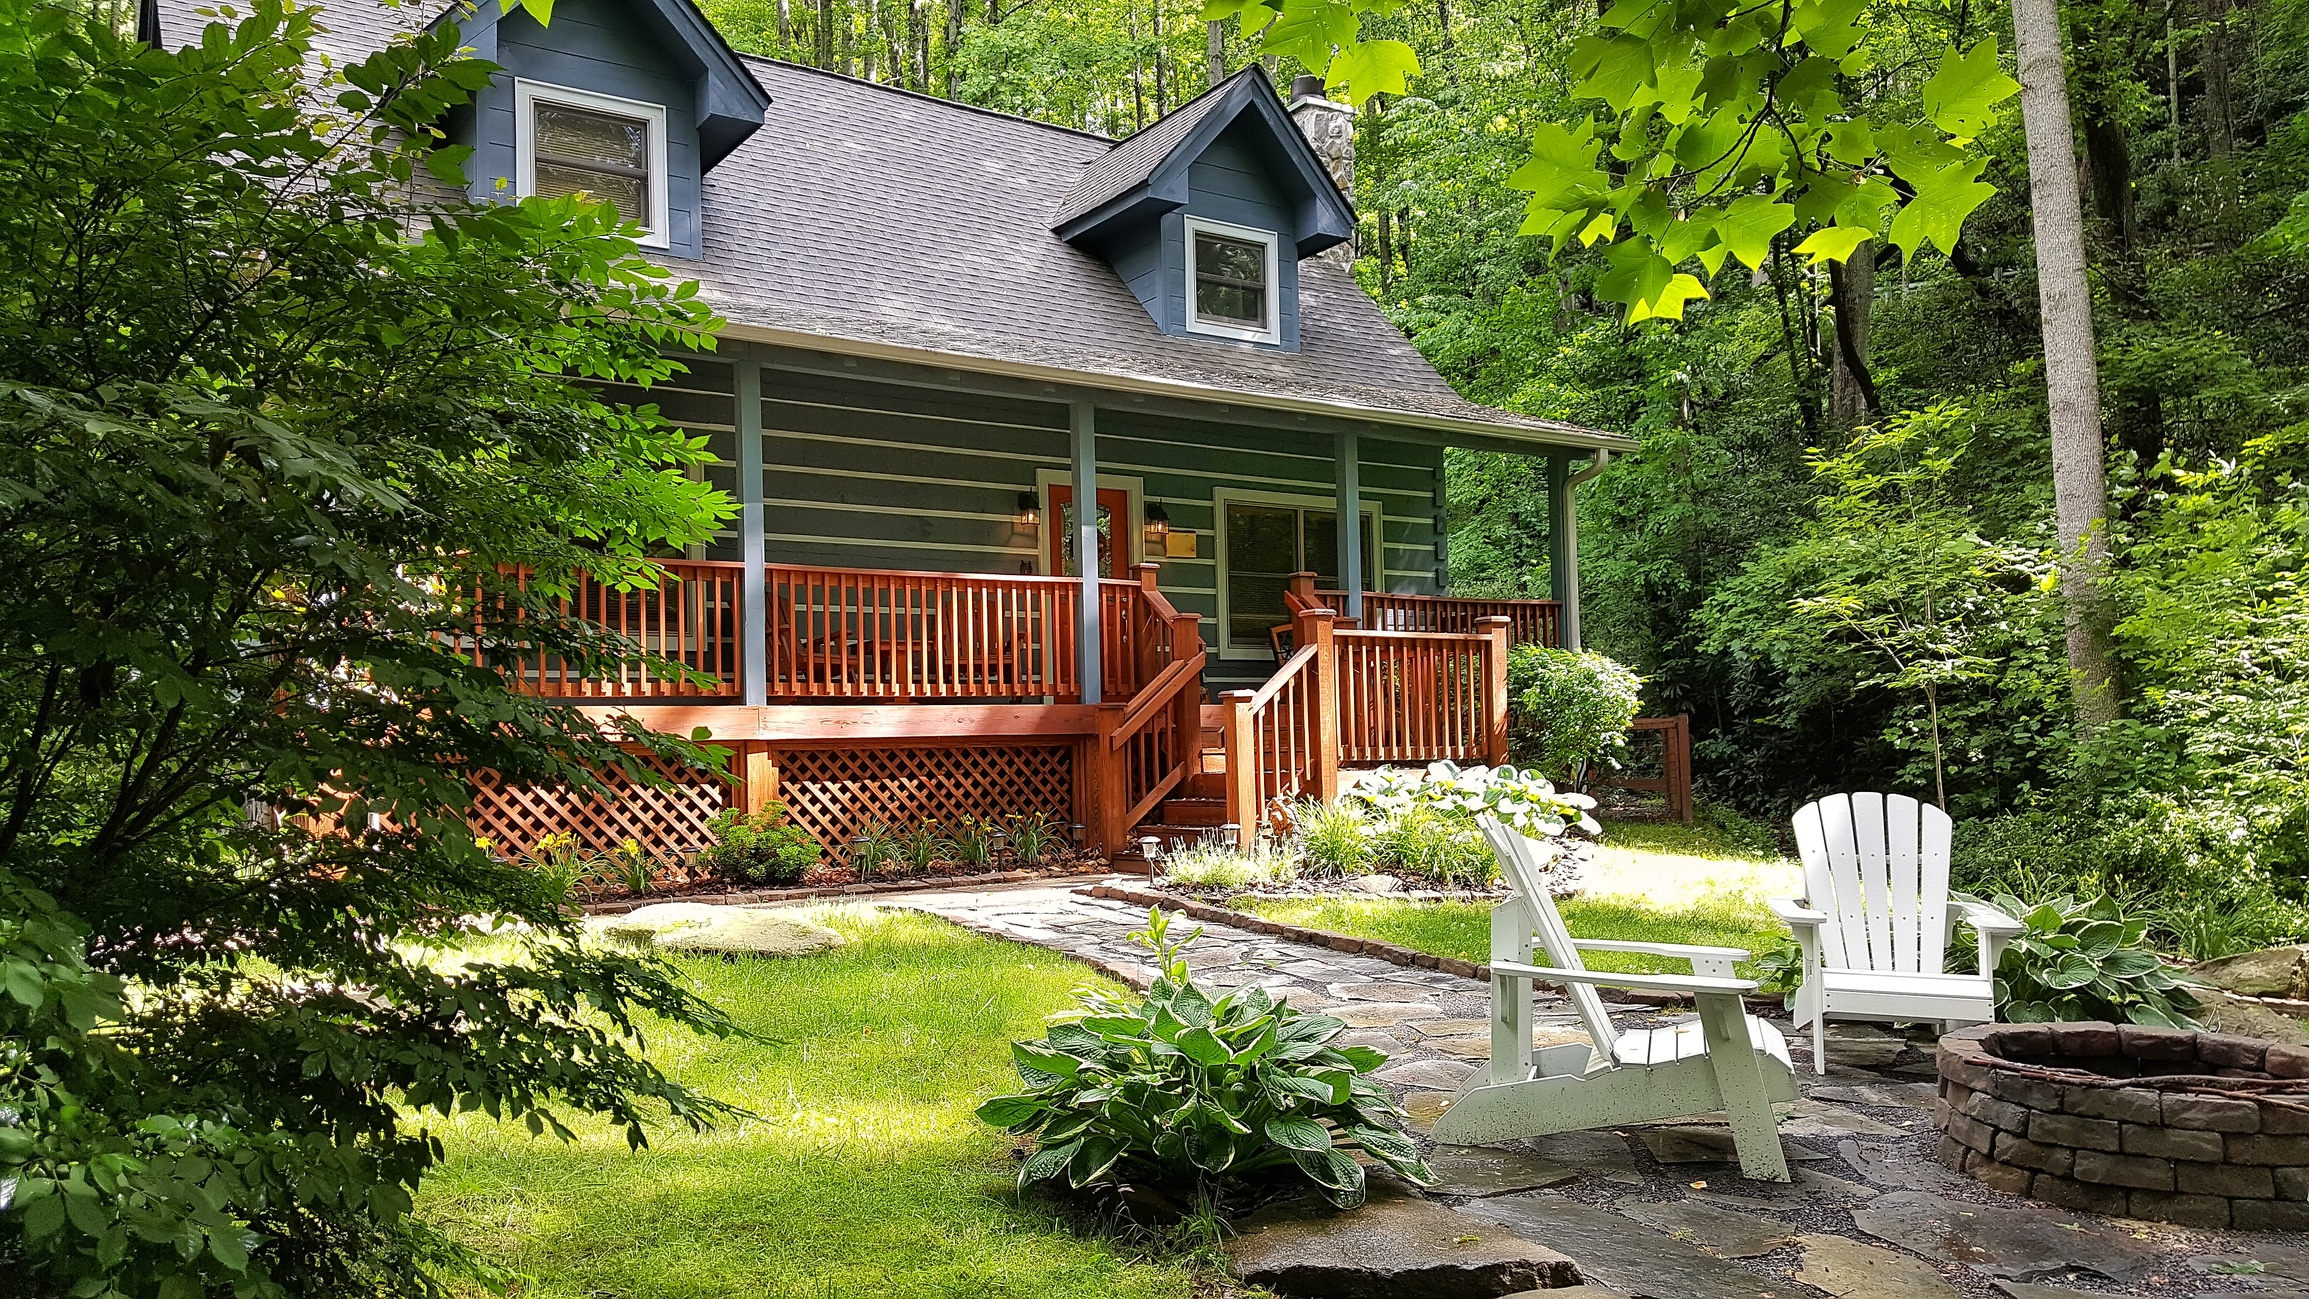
[1264, 537]
[566, 140]
[1233, 289]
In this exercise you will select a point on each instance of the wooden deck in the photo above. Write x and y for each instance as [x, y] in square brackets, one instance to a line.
[898, 697]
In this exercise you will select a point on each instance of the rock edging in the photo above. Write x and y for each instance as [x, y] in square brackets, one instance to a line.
[2008, 1120]
[1351, 945]
[908, 884]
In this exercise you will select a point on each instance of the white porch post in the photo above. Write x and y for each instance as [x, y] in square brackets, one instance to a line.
[753, 616]
[1347, 475]
[1084, 429]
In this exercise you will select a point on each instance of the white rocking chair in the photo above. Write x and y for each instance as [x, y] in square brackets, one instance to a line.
[1729, 1060]
[1879, 918]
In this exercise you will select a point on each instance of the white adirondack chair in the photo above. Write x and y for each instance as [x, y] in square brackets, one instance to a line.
[1879, 918]
[1728, 1060]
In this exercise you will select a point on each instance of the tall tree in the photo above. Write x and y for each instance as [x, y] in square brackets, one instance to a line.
[2072, 375]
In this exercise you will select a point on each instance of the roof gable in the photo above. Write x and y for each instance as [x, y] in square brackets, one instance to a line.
[731, 104]
[1145, 176]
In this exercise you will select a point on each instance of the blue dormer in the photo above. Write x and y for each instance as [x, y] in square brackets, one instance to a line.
[632, 101]
[1207, 214]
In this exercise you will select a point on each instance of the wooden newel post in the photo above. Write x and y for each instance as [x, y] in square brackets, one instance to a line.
[1318, 628]
[1146, 570]
[1242, 767]
[1302, 585]
[1496, 705]
[1109, 777]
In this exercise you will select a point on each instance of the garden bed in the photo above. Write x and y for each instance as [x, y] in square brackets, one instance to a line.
[2171, 1125]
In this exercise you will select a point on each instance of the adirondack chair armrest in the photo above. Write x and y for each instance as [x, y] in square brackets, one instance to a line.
[1993, 928]
[1709, 962]
[1608, 979]
[1796, 915]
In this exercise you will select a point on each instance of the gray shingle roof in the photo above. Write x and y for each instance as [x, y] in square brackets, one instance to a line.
[873, 217]
[1131, 162]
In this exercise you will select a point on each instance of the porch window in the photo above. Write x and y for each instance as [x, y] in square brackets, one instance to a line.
[574, 141]
[1266, 544]
[1231, 281]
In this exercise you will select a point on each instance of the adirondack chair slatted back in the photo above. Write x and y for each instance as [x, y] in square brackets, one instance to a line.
[1878, 865]
[1519, 859]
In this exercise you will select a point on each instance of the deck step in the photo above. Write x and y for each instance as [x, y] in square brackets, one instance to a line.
[1205, 784]
[1193, 811]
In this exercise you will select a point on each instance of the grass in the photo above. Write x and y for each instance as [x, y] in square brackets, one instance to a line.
[866, 1172]
[1463, 929]
[1651, 882]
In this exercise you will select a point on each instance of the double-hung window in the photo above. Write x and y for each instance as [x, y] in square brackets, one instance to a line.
[1231, 281]
[1266, 543]
[571, 141]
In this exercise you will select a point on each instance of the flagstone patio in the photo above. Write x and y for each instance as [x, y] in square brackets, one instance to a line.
[1660, 1210]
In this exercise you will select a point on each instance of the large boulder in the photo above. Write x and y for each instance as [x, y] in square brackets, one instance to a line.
[2274, 972]
[698, 927]
[1397, 1246]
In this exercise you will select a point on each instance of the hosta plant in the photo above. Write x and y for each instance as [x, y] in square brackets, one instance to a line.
[1526, 801]
[1179, 1089]
[2083, 960]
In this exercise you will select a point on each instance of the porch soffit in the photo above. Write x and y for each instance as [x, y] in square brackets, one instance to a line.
[1480, 429]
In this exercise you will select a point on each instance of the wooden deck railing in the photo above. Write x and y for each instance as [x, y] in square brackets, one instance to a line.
[1415, 696]
[691, 617]
[1348, 697]
[1530, 622]
[1154, 739]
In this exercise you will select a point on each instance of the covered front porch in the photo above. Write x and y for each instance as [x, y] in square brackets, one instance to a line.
[900, 626]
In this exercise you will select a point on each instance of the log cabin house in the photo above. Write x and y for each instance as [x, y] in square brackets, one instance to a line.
[947, 327]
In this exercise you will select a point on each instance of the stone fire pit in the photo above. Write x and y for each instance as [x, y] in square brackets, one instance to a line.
[2201, 1129]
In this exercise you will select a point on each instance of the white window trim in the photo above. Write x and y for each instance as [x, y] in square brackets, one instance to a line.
[1223, 496]
[527, 94]
[1195, 324]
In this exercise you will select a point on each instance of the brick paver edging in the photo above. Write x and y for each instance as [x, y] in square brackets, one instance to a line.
[1385, 951]
[909, 884]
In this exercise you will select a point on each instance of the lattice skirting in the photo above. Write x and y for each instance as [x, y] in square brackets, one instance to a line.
[834, 793]
[668, 822]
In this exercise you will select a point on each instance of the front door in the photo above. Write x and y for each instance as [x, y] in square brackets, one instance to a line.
[1113, 512]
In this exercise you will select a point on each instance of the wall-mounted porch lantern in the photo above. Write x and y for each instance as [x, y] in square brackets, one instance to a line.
[1158, 524]
[1029, 510]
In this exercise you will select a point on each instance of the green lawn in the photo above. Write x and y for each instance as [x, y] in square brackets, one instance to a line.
[866, 1173]
[1463, 929]
[1649, 882]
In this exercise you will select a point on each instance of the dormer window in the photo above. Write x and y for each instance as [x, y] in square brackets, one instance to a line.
[612, 149]
[1231, 277]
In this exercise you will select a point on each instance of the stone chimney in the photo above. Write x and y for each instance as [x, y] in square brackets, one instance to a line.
[1329, 127]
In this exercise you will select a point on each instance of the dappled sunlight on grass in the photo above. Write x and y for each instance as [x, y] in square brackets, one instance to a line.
[864, 1172]
[1463, 929]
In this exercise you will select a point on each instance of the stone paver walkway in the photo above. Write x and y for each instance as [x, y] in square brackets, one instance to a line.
[1658, 1210]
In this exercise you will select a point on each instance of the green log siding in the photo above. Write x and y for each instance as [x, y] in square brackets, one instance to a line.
[860, 473]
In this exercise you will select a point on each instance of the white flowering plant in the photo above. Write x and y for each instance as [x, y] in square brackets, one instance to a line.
[1529, 803]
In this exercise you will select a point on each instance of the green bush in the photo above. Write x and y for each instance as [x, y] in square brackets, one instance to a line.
[2080, 960]
[1428, 844]
[1569, 706]
[763, 848]
[1180, 1090]
[1334, 839]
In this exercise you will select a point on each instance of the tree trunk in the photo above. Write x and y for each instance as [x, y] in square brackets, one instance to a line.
[2072, 377]
[825, 33]
[1162, 78]
[1852, 397]
[954, 48]
[1215, 50]
[2214, 57]
[785, 23]
[1137, 75]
